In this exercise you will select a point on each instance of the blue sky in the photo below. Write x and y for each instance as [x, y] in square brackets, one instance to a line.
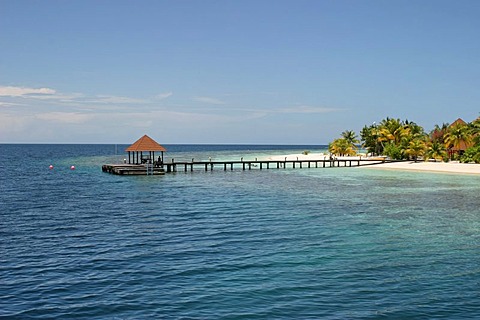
[281, 72]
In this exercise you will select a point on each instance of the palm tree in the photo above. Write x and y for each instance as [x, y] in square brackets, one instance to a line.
[459, 135]
[436, 150]
[416, 148]
[411, 132]
[384, 136]
[341, 147]
[413, 129]
[438, 133]
[475, 130]
[369, 138]
[391, 130]
[351, 138]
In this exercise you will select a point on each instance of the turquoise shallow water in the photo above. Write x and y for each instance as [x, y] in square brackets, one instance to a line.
[333, 243]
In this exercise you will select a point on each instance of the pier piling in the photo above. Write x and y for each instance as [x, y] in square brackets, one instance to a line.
[173, 165]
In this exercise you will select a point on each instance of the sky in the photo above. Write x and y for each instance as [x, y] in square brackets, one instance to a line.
[232, 72]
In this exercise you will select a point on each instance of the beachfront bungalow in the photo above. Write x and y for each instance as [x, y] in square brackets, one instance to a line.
[462, 146]
[143, 151]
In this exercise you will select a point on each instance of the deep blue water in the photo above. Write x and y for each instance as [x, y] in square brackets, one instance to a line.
[326, 243]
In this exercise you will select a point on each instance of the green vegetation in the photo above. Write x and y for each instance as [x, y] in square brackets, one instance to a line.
[437, 151]
[471, 155]
[345, 146]
[402, 140]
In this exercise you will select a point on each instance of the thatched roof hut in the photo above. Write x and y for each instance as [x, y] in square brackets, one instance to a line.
[462, 146]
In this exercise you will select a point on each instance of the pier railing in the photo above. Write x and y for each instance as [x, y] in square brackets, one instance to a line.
[174, 166]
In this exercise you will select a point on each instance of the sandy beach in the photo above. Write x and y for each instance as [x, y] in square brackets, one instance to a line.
[445, 167]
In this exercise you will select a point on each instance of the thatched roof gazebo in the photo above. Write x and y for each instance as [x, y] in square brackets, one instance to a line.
[149, 146]
[462, 145]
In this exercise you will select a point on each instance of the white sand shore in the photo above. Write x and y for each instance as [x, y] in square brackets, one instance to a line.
[446, 167]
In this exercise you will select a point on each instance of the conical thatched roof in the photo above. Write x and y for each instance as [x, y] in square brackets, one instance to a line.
[462, 146]
[145, 143]
[459, 121]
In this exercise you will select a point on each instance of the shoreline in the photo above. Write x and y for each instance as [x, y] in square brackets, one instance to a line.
[421, 166]
[437, 167]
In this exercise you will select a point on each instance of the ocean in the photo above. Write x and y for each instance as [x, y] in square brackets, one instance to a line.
[318, 243]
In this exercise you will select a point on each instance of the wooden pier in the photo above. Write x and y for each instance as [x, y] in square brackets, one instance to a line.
[133, 169]
[190, 166]
[187, 166]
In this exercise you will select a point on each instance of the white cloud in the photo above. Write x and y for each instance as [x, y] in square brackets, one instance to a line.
[10, 91]
[8, 104]
[51, 94]
[57, 96]
[164, 95]
[64, 117]
[209, 100]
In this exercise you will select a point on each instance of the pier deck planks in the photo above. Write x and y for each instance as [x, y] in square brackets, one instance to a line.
[190, 166]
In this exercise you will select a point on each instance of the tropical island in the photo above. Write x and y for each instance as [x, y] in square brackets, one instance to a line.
[449, 148]
[453, 148]
[406, 140]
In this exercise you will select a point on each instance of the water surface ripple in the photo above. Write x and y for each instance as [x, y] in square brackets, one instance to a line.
[342, 243]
